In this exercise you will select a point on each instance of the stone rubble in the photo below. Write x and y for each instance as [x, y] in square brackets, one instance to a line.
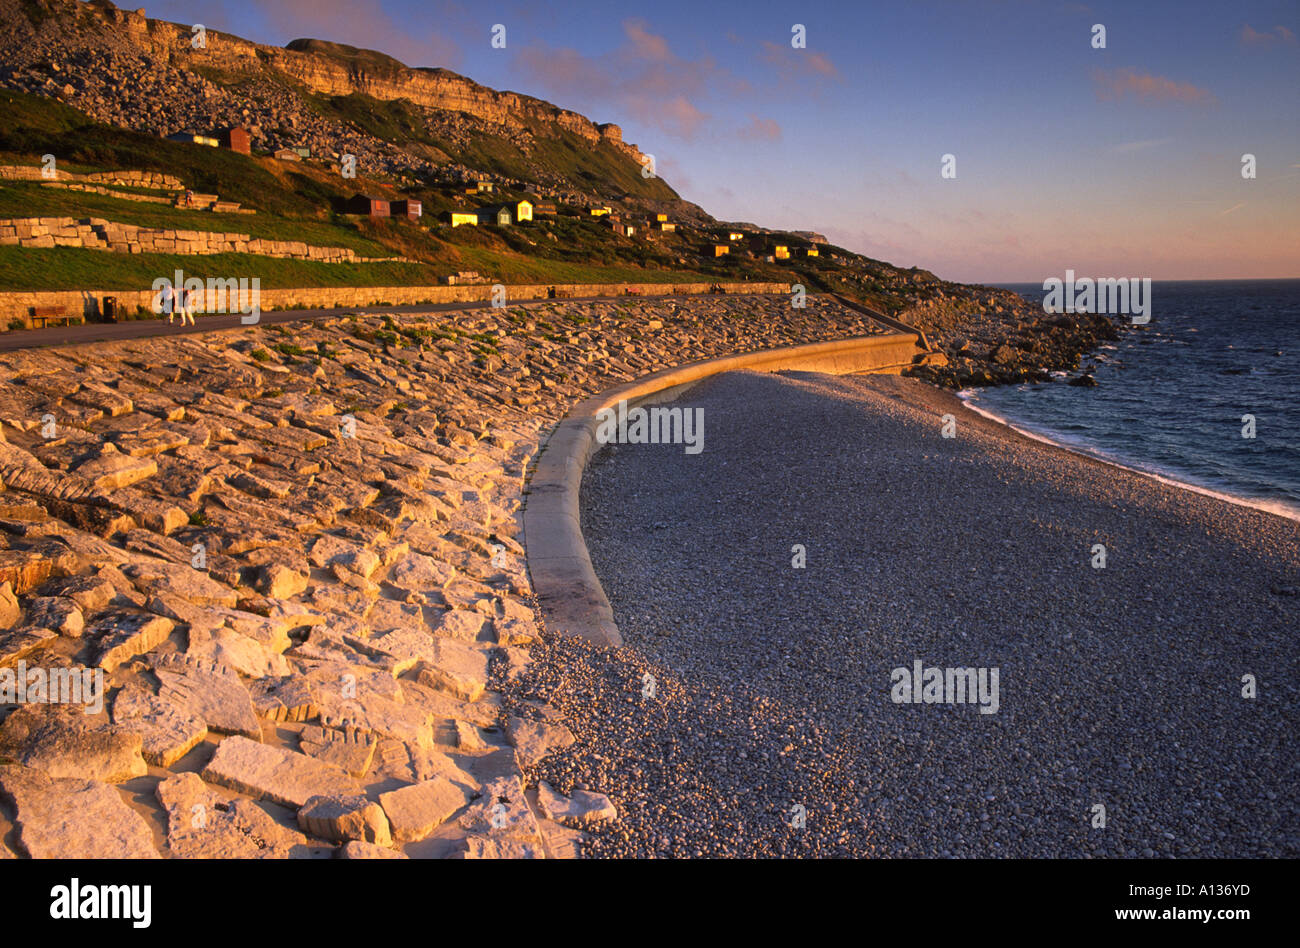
[344, 818]
[294, 554]
[70, 818]
[582, 807]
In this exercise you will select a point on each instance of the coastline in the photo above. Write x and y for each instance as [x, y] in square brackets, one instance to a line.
[774, 680]
[969, 397]
[1194, 340]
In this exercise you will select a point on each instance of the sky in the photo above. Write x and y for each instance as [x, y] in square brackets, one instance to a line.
[1125, 160]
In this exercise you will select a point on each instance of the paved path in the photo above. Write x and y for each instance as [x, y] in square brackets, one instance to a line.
[147, 328]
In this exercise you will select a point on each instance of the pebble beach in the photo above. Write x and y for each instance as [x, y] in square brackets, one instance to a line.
[749, 712]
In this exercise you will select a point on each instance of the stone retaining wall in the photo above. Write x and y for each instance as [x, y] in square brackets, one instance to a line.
[134, 179]
[18, 305]
[94, 233]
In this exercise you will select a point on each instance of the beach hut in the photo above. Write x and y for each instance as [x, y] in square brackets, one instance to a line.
[236, 138]
[409, 208]
[544, 210]
[781, 252]
[287, 154]
[498, 214]
[462, 218]
[600, 211]
[367, 205]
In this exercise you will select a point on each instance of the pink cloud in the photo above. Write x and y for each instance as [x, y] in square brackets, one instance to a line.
[645, 44]
[821, 64]
[643, 78]
[791, 63]
[565, 71]
[1144, 85]
[1279, 34]
[760, 129]
[677, 116]
[686, 117]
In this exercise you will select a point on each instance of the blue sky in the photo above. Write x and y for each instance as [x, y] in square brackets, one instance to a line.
[1117, 161]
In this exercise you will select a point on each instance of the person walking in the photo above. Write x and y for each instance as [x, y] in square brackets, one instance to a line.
[168, 302]
[189, 307]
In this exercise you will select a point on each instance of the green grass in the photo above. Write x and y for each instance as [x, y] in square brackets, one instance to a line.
[63, 268]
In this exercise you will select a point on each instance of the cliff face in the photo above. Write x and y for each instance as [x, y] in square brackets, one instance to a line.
[322, 67]
[331, 69]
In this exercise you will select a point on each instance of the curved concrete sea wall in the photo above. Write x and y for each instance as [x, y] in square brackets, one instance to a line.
[568, 591]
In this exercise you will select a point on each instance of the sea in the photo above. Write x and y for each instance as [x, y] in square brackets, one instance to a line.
[1172, 395]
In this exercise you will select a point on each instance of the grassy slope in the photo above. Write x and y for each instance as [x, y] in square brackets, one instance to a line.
[32, 126]
[296, 201]
[557, 151]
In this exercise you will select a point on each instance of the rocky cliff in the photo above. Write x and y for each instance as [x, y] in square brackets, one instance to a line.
[334, 69]
[121, 67]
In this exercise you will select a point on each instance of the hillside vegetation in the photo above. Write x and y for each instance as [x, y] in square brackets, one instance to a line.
[99, 88]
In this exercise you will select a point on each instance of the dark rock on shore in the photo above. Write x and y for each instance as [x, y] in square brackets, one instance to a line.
[1020, 345]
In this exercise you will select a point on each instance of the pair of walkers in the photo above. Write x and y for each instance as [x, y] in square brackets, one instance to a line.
[178, 303]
